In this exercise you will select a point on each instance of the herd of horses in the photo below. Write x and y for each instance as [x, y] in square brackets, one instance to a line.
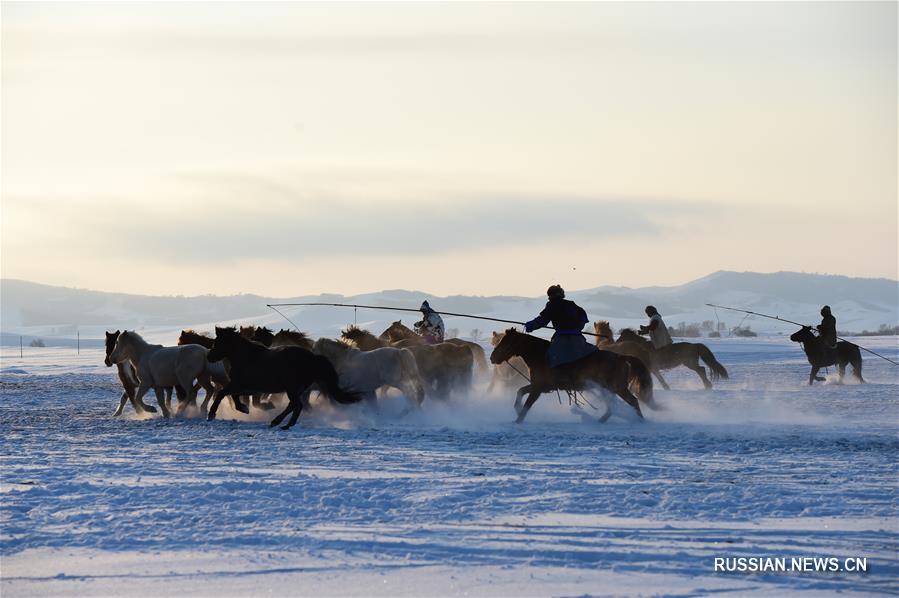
[251, 365]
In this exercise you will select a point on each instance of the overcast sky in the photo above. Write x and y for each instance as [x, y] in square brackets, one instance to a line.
[283, 149]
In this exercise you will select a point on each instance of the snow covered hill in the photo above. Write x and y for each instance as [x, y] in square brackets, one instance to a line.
[57, 313]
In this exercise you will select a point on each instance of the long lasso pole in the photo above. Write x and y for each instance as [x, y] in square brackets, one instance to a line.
[406, 309]
[754, 313]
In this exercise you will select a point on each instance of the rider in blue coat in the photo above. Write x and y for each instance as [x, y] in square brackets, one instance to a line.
[568, 343]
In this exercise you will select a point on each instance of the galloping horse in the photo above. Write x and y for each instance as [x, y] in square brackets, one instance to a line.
[606, 341]
[675, 354]
[128, 378]
[399, 332]
[158, 367]
[820, 356]
[367, 371]
[258, 369]
[609, 370]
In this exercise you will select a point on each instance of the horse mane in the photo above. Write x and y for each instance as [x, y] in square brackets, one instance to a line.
[294, 335]
[249, 343]
[190, 337]
[134, 336]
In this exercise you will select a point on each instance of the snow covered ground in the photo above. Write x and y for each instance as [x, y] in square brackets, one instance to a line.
[455, 499]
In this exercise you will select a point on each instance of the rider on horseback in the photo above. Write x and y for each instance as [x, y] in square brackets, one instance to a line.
[657, 330]
[568, 343]
[827, 329]
[430, 326]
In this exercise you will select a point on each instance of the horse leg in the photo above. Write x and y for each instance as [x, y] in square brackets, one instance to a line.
[191, 397]
[532, 398]
[122, 400]
[630, 399]
[216, 399]
[813, 375]
[297, 404]
[160, 399]
[521, 392]
[857, 369]
[239, 405]
[605, 416]
[291, 407]
[841, 370]
[658, 375]
[701, 372]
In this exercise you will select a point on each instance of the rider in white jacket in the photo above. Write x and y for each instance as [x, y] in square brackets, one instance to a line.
[657, 330]
[431, 325]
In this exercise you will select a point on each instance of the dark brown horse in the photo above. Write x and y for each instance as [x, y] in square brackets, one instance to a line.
[820, 356]
[128, 378]
[398, 332]
[258, 369]
[675, 354]
[611, 371]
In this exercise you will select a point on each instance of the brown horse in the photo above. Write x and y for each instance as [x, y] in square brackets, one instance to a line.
[443, 367]
[398, 332]
[820, 356]
[609, 370]
[675, 354]
[606, 341]
[509, 372]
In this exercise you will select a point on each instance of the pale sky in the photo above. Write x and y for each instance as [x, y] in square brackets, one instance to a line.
[470, 148]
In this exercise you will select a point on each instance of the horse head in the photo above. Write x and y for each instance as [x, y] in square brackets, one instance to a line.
[496, 338]
[803, 335]
[397, 332]
[263, 335]
[508, 345]
[603, 330]
[226, 340]
[111, 338]
[120, 351]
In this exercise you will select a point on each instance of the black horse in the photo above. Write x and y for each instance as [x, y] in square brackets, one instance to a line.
[609, 370]
[257, 369]
[821, 356]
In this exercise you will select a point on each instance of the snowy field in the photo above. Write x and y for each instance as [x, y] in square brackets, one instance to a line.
[455, 499]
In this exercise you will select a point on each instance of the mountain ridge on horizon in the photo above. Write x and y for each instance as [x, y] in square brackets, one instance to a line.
[605, 287]
[860, 303]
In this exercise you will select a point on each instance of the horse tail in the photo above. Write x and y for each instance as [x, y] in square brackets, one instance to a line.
[638, 373]
[326, 377]
[410, 372]
[477, 353]
[715, 366]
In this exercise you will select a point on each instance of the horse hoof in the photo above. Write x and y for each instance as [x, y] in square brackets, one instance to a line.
[286, 427]
[150, 408]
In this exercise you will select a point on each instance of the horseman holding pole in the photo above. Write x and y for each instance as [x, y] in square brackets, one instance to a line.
[568, 342]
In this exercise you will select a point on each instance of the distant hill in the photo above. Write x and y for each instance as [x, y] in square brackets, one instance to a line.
[49, 311]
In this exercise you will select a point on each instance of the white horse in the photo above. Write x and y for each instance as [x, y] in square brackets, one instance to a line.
[367, 371]
[158, 367]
